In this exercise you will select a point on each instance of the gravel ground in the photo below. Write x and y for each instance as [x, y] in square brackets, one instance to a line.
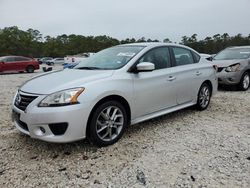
[187, 148]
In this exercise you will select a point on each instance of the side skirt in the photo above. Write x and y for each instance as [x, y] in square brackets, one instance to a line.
[162, 112]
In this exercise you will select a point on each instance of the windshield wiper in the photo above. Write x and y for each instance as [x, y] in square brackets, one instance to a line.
[89, 68]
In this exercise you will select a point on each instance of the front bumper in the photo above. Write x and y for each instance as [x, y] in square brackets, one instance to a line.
[37, 122]
[229, 78]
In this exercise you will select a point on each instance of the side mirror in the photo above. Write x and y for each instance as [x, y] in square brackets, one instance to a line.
[210, 58]
[145, 67]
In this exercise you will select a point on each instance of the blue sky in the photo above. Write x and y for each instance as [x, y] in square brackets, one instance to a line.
[156, 19]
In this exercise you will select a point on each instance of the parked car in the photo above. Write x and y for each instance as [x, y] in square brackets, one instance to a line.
[18, 64]
[72, 65]
[69, 65]
[55, 61]
[234, 66]
[118, 86]
[44, 60]
[77, 58]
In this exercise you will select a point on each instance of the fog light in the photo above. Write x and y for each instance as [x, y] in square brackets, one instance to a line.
[39, 131]
[43, 130]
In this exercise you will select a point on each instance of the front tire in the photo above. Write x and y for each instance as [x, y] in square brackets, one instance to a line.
[107, 123]
[244, 82]
[30, 69]
[204, 97]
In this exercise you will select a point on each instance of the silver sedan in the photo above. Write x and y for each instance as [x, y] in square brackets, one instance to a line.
[116, 87]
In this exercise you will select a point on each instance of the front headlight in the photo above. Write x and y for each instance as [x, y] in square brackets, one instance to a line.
[62, 98]
[233, 68]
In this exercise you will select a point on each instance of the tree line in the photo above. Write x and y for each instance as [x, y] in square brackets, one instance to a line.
[31, 43]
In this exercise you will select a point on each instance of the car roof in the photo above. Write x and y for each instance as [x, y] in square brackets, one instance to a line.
[151, 44]
[14, 56]
[238, 47]
[157, 44]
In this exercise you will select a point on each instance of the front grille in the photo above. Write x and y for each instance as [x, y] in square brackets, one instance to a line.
[220, 69]
[22, 101]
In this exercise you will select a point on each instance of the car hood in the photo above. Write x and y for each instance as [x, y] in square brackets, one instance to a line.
[61, 80]
[226, 63]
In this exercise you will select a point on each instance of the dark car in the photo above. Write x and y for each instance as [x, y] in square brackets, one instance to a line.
[18, 64]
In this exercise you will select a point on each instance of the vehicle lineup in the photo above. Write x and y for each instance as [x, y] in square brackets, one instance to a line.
[234, 66]
[116, 87]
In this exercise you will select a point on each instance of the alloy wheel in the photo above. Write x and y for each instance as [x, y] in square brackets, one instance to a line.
[204, 96]
[109, 123]
[246, 81]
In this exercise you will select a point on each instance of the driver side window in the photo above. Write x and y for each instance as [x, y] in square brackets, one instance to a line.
[160, 57]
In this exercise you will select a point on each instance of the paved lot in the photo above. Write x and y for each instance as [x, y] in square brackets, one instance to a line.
[183, 149]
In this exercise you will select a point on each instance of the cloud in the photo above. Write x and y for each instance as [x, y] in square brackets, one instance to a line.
[157, 19]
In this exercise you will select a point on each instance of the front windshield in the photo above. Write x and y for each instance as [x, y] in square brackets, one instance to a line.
[237, 53]
[111, 58]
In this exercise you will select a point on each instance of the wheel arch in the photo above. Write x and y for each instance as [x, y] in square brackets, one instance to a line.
[248, 70]
[210, 85]
[117, 98]
[30, 65]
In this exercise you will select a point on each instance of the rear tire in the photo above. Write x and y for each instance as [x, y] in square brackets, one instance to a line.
[204, 96]
[244, 82]
[30, 69]
[107, 124]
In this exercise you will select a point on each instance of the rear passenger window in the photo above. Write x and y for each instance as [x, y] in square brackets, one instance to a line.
[21, 59]
[196, 57]
[160, 57]
[183, 56]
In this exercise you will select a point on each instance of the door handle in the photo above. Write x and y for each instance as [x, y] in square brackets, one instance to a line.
[198, 73]
[171, 78]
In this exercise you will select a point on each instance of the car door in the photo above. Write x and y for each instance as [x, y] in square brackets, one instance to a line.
[152, 90]
[187, 75]
[18, 64]
[22, 63]
[9, 64]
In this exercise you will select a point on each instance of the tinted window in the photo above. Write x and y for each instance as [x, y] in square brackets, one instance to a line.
[21, 59]
[10, 59]
[183, 56]
[196, 57]
[159, 56]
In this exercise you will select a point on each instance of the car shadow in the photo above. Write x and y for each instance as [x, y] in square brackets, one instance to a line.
[15, 73]
[227, 88]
